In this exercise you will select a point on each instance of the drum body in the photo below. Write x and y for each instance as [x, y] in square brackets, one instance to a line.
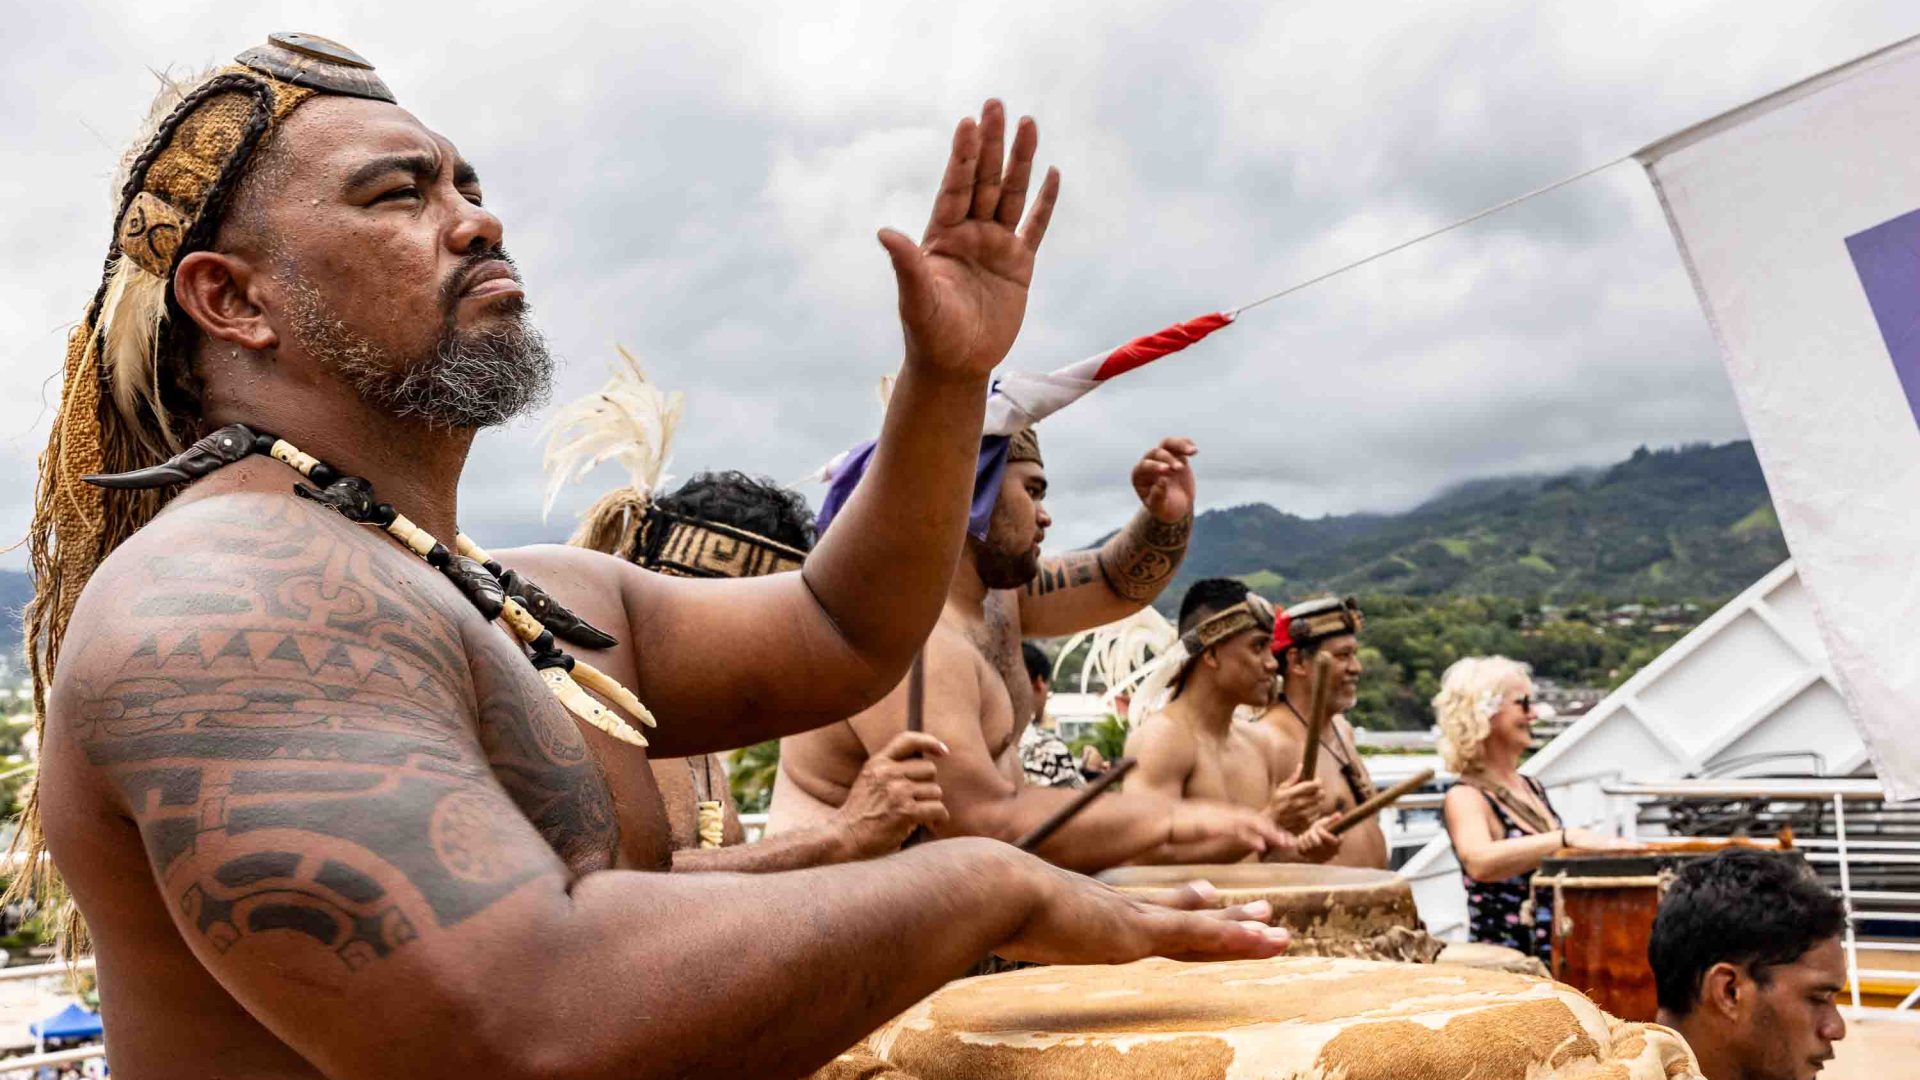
[1604, 905]
[1286, 1017]
[1331, 910]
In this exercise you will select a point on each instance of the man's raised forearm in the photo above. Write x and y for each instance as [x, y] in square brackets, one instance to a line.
[1141, 559]
[822, 845]
[903, 527]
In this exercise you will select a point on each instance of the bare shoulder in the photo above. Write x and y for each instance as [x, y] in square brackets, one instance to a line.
[1162, 738]
[553, 564]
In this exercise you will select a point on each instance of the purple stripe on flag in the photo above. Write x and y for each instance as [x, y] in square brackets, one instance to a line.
[1887, 258]
[986, 484]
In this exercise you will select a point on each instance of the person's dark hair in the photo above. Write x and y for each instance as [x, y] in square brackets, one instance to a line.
[1757, 909]
[758, 506]
[1038, 666]
[1210, 596]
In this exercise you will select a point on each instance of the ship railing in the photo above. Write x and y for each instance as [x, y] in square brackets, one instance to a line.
[1845, 855]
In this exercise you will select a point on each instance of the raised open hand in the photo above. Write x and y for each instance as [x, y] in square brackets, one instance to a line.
[963, 288]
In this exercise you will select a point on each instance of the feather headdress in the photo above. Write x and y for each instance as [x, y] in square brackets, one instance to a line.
[628, 420]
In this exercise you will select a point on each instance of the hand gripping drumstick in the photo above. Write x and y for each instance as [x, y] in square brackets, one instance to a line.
[1066, 813]
[1381, 801]
[1321, 711]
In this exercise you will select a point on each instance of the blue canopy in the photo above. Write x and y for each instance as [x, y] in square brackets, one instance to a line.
[72, 1022]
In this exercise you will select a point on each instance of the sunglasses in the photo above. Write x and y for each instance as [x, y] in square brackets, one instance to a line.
[1525, 702]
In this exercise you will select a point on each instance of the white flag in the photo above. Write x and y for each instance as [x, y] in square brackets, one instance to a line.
[1798, 217]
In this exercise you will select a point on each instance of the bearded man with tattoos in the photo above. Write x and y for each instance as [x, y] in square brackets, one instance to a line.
[316, 806]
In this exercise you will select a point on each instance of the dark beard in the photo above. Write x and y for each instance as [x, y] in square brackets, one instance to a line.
[472, 379]
[1005, 570]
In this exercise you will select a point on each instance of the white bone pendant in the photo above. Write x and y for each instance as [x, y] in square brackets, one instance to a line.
[581, 705]
[608, 687]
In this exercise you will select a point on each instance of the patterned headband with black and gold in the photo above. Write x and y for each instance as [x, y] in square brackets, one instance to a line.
[1253, 613]
[683, 546]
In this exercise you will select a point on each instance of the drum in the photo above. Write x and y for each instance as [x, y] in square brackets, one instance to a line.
[1331, 910]
[1489, 957]
[1603, 908]
[1286, 1017]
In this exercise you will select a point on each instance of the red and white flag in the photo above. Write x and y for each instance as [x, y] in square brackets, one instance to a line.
[1021, 400]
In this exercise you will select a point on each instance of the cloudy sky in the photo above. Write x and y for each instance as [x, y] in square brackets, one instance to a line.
[702, 182]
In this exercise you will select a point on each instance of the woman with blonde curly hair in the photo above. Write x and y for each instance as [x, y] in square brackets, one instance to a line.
[1501, 823]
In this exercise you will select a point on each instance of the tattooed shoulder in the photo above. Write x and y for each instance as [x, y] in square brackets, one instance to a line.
[290, 719]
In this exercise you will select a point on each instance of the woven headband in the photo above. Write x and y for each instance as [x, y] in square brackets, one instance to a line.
[1329, 618]
[1253, 613]
[685, 546]
[1024, 445]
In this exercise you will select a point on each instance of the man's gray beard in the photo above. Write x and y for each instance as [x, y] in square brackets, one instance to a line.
[472, 379]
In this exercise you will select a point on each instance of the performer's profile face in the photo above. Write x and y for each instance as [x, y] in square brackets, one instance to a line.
[1795, 1020]
[1010, 555]
[1244, 665]
[376, 260]
[1345, 651]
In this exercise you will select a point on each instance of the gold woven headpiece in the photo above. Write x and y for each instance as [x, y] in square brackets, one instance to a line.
[1024, 445]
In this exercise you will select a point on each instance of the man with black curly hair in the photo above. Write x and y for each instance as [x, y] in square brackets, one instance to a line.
[1747, 960]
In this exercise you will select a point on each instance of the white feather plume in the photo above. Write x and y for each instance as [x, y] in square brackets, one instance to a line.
[1124, 654]
[629, 420]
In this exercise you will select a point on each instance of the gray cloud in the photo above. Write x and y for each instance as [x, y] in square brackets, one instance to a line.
[702, 184]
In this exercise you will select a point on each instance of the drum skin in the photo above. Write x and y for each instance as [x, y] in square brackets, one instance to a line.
[1490, 957]
[1306, 1018]
[1605, 903]
[1331, 910]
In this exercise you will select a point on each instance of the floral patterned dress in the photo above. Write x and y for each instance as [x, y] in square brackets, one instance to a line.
[1496, 910]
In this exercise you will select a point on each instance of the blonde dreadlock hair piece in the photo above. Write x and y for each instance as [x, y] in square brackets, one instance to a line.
[628, 420]
[123, 378]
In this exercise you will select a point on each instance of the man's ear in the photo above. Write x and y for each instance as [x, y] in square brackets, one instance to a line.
[1726, 990]
[216, 292]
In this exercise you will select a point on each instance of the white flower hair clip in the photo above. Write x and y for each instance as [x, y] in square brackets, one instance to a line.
[1487, 704]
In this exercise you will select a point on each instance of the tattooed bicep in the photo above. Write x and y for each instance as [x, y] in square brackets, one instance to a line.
[292, 733]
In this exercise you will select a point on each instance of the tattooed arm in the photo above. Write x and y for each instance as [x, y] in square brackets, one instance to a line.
[366, 815]
[1083, 589]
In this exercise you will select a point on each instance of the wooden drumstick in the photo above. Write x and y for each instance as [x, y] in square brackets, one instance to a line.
[917, 692]
[1381, 801]
[1066, 813]
[1319, 713]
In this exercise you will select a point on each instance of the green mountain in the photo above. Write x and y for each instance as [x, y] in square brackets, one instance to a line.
[1683, 523]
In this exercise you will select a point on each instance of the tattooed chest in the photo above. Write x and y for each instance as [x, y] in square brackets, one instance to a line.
[540, 758]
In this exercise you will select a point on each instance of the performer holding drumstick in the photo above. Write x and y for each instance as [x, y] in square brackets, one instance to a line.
[1501, 823]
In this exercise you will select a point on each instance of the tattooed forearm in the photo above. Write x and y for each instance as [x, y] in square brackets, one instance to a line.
[1069, 571]
[294, 738]
[1141, 558]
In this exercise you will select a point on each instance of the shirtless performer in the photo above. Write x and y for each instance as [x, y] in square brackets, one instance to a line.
[1191, 748]
[976, 682]
[1326, 626]
[320, 815]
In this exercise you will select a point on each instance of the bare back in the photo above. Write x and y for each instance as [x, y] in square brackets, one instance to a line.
[244, 747]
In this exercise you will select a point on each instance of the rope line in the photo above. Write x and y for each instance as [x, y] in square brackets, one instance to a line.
[1423, 237]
